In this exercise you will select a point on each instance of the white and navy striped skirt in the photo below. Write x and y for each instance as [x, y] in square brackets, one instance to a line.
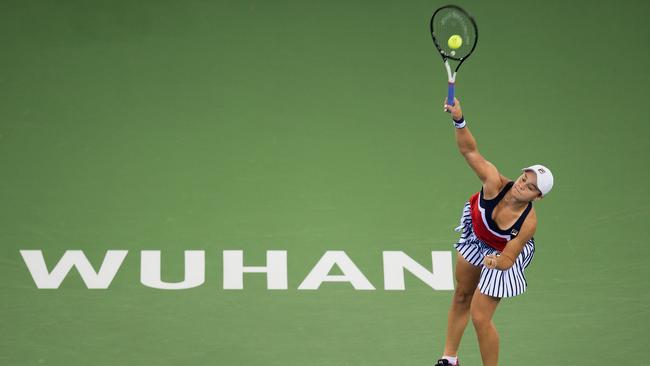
[493, 282]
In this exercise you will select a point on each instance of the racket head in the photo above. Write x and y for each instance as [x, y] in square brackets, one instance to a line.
[452, 20]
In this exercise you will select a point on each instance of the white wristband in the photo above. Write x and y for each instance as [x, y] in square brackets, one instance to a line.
[460, 124]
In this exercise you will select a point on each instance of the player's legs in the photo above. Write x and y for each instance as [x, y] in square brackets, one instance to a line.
[467, 277]
[483, 307]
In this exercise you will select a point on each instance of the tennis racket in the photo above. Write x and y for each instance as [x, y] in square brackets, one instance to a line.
[454, 34]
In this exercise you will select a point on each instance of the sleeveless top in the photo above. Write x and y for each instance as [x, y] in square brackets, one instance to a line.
[485, 228]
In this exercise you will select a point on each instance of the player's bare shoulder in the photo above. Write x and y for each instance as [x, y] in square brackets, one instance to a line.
[493, 185]
[530, 223]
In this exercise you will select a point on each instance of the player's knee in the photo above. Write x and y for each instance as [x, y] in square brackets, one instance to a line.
[480, 320]
[463, 297]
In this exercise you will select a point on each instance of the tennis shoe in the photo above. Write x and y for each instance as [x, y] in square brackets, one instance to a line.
[444, 362]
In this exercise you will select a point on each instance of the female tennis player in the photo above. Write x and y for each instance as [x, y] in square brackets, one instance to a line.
[495, 246]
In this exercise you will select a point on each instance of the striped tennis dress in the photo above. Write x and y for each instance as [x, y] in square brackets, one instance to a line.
[481, 236]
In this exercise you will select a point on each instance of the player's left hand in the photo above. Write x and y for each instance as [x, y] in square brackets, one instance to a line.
[490, 261]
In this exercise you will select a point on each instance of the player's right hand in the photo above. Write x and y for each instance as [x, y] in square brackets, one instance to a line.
[456, 112]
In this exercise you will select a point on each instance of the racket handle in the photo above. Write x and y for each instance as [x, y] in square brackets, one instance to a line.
[450, 93]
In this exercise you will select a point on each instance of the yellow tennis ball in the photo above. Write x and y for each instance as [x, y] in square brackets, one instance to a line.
[455, 41]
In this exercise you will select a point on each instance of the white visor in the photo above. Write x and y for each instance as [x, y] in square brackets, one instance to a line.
[544, 177]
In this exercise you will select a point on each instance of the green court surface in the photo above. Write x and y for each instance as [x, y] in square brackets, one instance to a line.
[314, 126]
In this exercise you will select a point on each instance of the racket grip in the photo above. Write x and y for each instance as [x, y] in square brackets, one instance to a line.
[450, 93]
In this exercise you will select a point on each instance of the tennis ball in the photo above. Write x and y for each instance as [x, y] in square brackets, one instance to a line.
[455, 41]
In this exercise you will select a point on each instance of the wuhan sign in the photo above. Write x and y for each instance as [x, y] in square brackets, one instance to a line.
[438, 276]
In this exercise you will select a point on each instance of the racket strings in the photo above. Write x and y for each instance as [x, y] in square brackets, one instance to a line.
[451, 23]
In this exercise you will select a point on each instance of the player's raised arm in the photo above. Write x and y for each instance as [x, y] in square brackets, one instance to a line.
[486, 171]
